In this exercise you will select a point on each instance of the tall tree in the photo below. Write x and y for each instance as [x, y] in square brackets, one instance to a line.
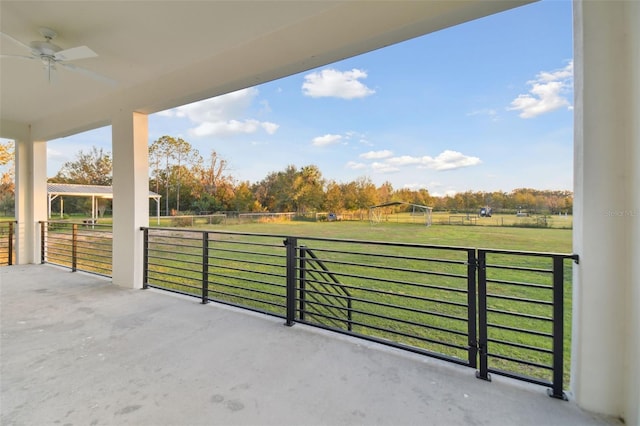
[334, 201]
[217, 183]
[6, 152]
[89, 168]
[244, 200]
[385, 192]
[213, 172]
[367, 194]
[308, 189]
[7, 185]
[172, 154]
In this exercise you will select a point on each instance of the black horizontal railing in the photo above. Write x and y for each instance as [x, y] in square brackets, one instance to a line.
[85, 246]
[501, 312]
[244, 270]
[406, 295]
[498, 311]
[7, 240]
[521, 318]
[322, 297]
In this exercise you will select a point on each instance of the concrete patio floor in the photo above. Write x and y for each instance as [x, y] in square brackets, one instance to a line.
[77, 350]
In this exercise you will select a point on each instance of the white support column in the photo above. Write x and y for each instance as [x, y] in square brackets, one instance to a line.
[632, 386]
[31, 197]
[130, 195]
[606, 294]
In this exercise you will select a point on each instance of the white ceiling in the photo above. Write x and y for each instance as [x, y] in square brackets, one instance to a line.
[164, 54]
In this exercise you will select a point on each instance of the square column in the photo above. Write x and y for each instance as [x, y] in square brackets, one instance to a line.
[606, 295]
[130, 195]
[31, 197]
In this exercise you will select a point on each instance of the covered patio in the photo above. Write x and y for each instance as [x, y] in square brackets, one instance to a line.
[79, 350]
[213, 48]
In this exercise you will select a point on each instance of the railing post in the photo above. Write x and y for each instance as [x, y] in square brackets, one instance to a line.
[349, 314]
[483, 373]
[303, 281]
[558, 328]
[43, 229]
[145, 258]
[205, 268]
[74, 246]
[472, 263]
[10, 245]
[291, 244]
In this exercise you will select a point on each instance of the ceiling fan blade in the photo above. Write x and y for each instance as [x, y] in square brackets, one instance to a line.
[80, 52]
[18, 56]
[89, 73]
[15, 40]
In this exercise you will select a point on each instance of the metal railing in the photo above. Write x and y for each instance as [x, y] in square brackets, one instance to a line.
[499, 311]
[321, 295]
[244, 270]
[521, 318]
[7, 240]
[416, 297]
[85, 246]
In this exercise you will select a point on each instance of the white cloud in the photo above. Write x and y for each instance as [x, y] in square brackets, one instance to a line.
[375, 155]
[337, 84]
[356, 166]
[548, 93]
[415, 186]
[327, 139]
[404, 160]
[384, 167]
[449, 160]
[53, 154]
[446, 160]
[232, 127]
[447, 193]
[167, 113]
[219, 116]
[270, 128]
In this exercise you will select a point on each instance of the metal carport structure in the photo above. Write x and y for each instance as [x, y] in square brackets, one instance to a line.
[95, 192]
[426, 209]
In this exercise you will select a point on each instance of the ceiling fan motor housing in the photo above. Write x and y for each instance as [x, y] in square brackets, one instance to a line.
[44, 48]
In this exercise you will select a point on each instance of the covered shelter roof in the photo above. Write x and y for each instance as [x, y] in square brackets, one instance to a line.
[76, 190]
[401, 203]
[96, 192]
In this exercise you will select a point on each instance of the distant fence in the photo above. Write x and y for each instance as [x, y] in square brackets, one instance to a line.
[190, 220]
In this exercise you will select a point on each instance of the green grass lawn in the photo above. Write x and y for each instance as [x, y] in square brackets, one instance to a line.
[510, 238]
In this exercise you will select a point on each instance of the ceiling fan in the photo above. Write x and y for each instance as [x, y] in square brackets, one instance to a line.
[52, 55]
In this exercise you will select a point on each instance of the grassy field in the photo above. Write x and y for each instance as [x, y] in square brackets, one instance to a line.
[507, 237]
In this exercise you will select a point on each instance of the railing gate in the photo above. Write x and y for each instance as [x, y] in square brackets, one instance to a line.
[521, 316]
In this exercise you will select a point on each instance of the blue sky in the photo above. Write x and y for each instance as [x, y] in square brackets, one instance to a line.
[483, 106]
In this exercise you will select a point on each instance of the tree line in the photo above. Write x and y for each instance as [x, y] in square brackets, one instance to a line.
[7, 186]
[192, 184]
